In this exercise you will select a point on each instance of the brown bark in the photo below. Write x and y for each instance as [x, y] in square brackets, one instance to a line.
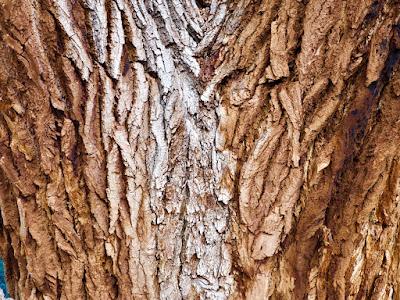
[200, 149]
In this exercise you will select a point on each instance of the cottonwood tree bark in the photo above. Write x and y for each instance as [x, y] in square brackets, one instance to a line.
[182, 149]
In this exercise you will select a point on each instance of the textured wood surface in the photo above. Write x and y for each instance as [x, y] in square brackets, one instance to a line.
[182, 149]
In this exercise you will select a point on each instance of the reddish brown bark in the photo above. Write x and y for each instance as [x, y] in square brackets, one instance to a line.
[200, 149]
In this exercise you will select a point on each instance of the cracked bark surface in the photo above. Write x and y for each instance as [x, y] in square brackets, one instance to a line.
[182, 149]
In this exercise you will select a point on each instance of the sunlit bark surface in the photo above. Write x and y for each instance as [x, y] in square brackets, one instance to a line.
[182, 149]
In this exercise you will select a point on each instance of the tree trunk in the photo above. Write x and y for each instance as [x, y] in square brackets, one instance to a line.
[182, 149]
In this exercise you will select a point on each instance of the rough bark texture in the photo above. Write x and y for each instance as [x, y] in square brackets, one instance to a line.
[182, 149]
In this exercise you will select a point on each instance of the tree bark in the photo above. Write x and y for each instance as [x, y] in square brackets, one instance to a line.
[182, 149]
